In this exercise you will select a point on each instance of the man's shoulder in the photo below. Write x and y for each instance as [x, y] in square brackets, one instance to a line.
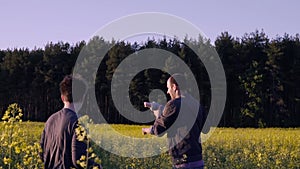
[54, 115]
[63, 114]
[69, 114]
[173, 102]
[68, 111]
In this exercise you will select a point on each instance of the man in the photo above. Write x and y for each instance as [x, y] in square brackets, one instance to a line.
[183, 137]
[60, 147]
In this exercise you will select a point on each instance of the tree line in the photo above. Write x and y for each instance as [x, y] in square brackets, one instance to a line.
[262, 77]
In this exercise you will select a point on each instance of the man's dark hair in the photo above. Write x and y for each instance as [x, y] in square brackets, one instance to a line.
[179, 80]
[66, 88]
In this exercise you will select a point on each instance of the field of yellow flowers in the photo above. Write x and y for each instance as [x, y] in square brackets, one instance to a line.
[226, 148]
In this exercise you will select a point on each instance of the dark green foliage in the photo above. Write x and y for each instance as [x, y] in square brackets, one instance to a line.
[263, 77]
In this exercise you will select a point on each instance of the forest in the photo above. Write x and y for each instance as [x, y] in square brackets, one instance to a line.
[262, 77]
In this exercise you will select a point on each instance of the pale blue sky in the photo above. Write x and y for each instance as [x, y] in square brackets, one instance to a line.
[34, 23]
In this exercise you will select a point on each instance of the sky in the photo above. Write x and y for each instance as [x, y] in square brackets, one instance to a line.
[34, 23]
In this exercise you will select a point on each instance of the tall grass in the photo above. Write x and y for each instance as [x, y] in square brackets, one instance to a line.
[226, 148]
